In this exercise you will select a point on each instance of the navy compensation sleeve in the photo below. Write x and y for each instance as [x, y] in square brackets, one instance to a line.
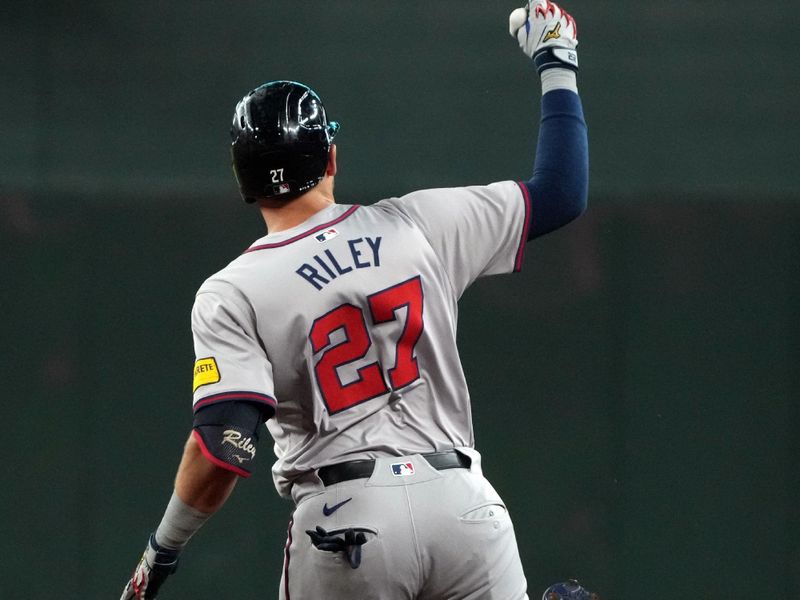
[560, 183]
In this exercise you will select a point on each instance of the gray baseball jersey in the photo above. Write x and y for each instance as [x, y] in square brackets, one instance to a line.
[346, 324]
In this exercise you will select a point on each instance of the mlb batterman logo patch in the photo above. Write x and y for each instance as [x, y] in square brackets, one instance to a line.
[326, 235]
[205, 372]
[402, 469]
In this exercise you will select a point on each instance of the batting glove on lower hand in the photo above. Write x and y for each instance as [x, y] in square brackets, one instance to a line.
[157, 563]
[547, 34]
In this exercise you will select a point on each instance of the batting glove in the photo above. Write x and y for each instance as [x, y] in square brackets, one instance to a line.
[569, 590]
[157, 563]
[350, 544]
[547, 34]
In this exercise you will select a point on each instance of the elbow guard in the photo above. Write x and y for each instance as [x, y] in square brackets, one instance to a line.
[227, 433]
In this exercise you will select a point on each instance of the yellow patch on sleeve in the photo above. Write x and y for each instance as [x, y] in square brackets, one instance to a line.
[205, 372]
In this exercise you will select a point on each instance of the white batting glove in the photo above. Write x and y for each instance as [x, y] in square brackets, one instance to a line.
[547, 34]
[156, 564]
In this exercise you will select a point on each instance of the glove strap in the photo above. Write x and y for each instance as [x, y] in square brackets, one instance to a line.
[163, 560]
[554, 57]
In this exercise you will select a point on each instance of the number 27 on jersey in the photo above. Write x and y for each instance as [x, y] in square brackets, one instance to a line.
[383, 307]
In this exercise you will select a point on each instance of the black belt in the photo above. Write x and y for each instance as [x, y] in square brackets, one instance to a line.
[359, 469]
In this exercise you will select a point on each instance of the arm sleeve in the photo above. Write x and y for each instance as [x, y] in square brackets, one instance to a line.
[230, 362]
[473, 231]
[559, 187]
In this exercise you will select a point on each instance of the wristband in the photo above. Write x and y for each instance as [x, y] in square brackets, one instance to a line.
[179, 524]
[555, 57]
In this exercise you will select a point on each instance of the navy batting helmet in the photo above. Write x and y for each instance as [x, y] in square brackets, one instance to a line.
[281, 139]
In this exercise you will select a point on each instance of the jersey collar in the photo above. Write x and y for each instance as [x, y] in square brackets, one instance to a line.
[322, 220]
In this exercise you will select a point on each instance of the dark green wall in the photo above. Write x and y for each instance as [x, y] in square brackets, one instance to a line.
[635, 389]
[112, 97]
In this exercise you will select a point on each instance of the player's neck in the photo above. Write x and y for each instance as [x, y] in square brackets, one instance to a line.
[281, 216]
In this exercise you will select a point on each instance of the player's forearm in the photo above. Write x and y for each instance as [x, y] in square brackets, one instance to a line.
[558, 189]
[205, 479]
[201, 489]
[201, 484]
[560, 183]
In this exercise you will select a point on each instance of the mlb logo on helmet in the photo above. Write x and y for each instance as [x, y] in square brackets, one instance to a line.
[326, 235]
[402, 469]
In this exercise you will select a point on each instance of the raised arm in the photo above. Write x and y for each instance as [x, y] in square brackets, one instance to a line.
[558, 189]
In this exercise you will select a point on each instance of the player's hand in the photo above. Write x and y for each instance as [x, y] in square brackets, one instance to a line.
[154, 567]
[546, 33]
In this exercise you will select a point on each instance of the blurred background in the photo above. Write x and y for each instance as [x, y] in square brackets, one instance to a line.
[635, 389]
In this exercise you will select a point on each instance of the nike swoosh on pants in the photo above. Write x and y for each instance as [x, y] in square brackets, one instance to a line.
[329, 511]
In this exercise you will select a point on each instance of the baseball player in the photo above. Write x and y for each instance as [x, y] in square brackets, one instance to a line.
[338, 330]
